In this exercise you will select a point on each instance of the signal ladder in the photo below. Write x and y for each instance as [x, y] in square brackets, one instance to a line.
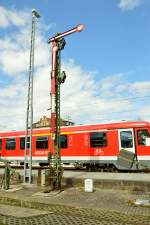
[29, 114]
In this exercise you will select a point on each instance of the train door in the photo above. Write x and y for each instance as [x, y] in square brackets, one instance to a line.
[126, 148]
[126, 140]
[143, 147]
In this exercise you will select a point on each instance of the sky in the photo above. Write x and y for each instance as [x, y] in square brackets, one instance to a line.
[107, 64]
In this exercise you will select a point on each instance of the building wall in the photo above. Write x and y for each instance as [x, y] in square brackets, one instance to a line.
[45, 122]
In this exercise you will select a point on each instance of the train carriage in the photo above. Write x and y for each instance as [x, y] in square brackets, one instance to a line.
[96, 145]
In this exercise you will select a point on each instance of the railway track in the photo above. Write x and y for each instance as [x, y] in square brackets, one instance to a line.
[72, 168]
[38, 167]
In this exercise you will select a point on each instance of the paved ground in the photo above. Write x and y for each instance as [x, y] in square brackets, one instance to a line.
[23, 212]
[72, 206]
[107, 205]
[107, 176]
[97, 175]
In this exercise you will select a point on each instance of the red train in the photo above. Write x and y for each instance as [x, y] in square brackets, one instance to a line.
[86, 145]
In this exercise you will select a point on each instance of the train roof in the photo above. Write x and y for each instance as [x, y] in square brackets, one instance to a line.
[78, 128]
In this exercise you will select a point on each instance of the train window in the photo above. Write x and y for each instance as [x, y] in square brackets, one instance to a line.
[126, 139]
[42, 142]
[142, 135]
[0, 144]
[98, 139]
[63, 141]
[22, 143]
[10, 143]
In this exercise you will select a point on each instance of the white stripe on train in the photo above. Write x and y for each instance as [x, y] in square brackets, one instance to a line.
[72, 158]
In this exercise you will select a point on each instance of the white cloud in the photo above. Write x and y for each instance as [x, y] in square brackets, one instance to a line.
[145, 113]
[86, 100]
[15, 51]
[14, 63]
[83, 98]
[140, 87]
[129, 4]
[9, 17]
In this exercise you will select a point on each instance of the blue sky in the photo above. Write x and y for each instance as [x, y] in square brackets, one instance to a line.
[108, 64]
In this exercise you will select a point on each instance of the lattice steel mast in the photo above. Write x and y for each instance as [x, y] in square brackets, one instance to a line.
[57, 44]
[29, 113]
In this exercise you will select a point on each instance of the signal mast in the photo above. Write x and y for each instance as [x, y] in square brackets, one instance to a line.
[57, 78]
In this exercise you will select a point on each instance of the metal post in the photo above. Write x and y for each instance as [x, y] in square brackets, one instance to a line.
[7, 176]
[57, 44]
[58, 167]
[29, 114]
[55, 114]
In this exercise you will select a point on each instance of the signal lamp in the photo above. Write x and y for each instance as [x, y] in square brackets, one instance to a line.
[35, 13]
[62, 77]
